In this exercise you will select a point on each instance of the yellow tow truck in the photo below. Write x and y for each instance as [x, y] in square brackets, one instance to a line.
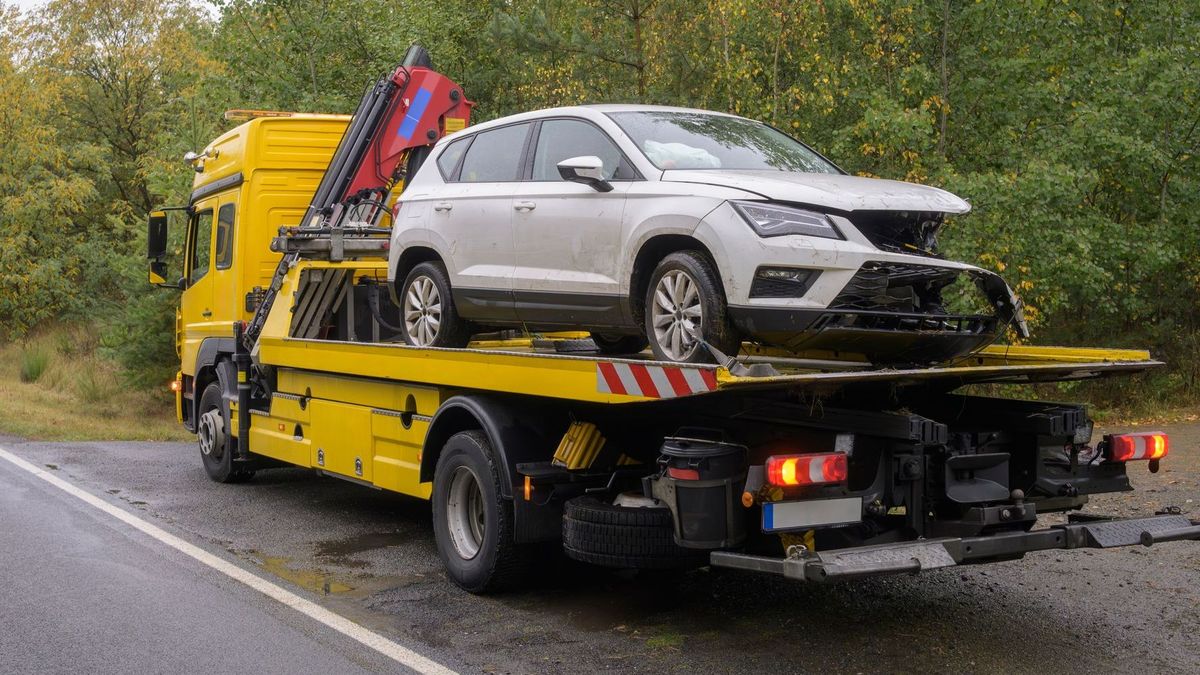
[814, 466]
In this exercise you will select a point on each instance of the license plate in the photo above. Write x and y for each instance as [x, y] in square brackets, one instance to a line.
[778, 516]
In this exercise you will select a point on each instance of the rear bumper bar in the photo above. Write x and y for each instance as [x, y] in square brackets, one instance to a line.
[915, 556]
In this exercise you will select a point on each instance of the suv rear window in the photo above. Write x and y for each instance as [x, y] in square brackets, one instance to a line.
[495, 156]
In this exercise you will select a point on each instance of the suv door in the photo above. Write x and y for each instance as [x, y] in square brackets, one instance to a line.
[472, 214]
[568, 235]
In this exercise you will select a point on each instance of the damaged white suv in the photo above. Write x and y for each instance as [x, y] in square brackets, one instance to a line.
[687, 229]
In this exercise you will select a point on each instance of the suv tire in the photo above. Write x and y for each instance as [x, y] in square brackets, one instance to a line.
[428, 317]
[684, 298]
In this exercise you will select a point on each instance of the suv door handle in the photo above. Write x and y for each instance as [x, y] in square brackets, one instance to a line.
[525, 206]
[443, 206]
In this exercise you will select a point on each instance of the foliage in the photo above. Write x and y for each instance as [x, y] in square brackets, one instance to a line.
[1073, 127]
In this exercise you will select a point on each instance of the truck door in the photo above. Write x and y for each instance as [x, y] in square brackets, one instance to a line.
[196, 303]
[210, 301]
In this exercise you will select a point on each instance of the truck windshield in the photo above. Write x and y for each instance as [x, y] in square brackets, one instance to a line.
[696, 140]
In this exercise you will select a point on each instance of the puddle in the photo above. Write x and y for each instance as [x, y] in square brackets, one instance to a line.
[344, 548]
[316, 581]
[358, 585]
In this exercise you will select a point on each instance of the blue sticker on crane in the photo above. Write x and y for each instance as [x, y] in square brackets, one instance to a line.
[409, 126]
[768, 516]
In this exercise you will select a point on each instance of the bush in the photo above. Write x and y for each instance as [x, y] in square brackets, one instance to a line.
[95, 385]
[33, 363]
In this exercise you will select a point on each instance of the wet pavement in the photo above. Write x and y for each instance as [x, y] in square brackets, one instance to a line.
[369, 555]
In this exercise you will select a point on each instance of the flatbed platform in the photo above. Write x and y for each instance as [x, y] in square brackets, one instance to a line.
[518, 368]
[535, 368]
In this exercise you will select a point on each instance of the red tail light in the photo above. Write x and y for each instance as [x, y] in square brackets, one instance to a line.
[1143, 445]
[822, 469]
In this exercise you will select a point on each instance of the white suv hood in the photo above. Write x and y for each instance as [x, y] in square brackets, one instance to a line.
[835, 191]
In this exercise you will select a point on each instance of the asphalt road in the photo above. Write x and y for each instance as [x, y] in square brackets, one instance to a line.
[86, 593]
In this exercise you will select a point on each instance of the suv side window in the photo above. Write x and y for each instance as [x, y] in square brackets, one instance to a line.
[495, 156]
[224, 252]
[564, 139]
[202, 246]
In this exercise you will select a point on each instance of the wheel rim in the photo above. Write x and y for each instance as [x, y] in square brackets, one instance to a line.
[422, 311]
[465, 513]
[211, 434]
[677, 314]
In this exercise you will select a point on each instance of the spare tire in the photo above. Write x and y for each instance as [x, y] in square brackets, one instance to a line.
[624, 537]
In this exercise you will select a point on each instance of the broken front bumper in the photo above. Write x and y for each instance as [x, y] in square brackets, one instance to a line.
[926, 554]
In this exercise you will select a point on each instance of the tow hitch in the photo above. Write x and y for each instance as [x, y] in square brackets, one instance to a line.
[926, 554]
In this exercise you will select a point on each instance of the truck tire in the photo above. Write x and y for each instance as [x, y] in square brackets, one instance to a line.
[428, 316]
[472, 522]
[212, 433]
[623, 537]
[685, 298]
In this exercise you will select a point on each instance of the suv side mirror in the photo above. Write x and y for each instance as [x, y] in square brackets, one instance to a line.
[587, 169]
[156, 248]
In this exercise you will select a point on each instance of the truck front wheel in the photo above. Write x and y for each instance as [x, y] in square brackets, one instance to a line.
[472, 522]
[216, 446]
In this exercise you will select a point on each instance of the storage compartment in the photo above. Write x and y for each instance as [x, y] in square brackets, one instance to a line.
[700, 480]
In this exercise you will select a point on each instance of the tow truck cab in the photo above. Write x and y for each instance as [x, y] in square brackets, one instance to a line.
[250, 181]
[812, 466]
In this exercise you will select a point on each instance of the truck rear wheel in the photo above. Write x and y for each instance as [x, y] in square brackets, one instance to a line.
[472, 522]
[624, 537]
[216, 445]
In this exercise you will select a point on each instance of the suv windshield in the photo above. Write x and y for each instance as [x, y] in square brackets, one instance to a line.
[693, 140]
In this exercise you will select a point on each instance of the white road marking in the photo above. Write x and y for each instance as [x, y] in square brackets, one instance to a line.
[346, 627]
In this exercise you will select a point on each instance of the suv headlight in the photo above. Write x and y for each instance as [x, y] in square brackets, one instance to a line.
[770, 220]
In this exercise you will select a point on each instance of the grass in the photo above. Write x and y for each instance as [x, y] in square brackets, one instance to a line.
[33, 363]
[54, 386]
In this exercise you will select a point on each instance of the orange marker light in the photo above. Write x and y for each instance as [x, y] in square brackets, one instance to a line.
[816, 469]
[176, 386]
[528, 488]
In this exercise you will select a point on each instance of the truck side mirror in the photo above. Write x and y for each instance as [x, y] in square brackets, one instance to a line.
[156, 248]
[586, 169]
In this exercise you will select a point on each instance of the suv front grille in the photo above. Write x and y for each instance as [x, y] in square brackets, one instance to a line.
[903, 297]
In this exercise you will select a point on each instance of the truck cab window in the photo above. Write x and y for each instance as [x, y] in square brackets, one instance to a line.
[201, 246]
[224, 253]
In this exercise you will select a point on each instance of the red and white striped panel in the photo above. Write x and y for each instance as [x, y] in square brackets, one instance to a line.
[635, 379]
